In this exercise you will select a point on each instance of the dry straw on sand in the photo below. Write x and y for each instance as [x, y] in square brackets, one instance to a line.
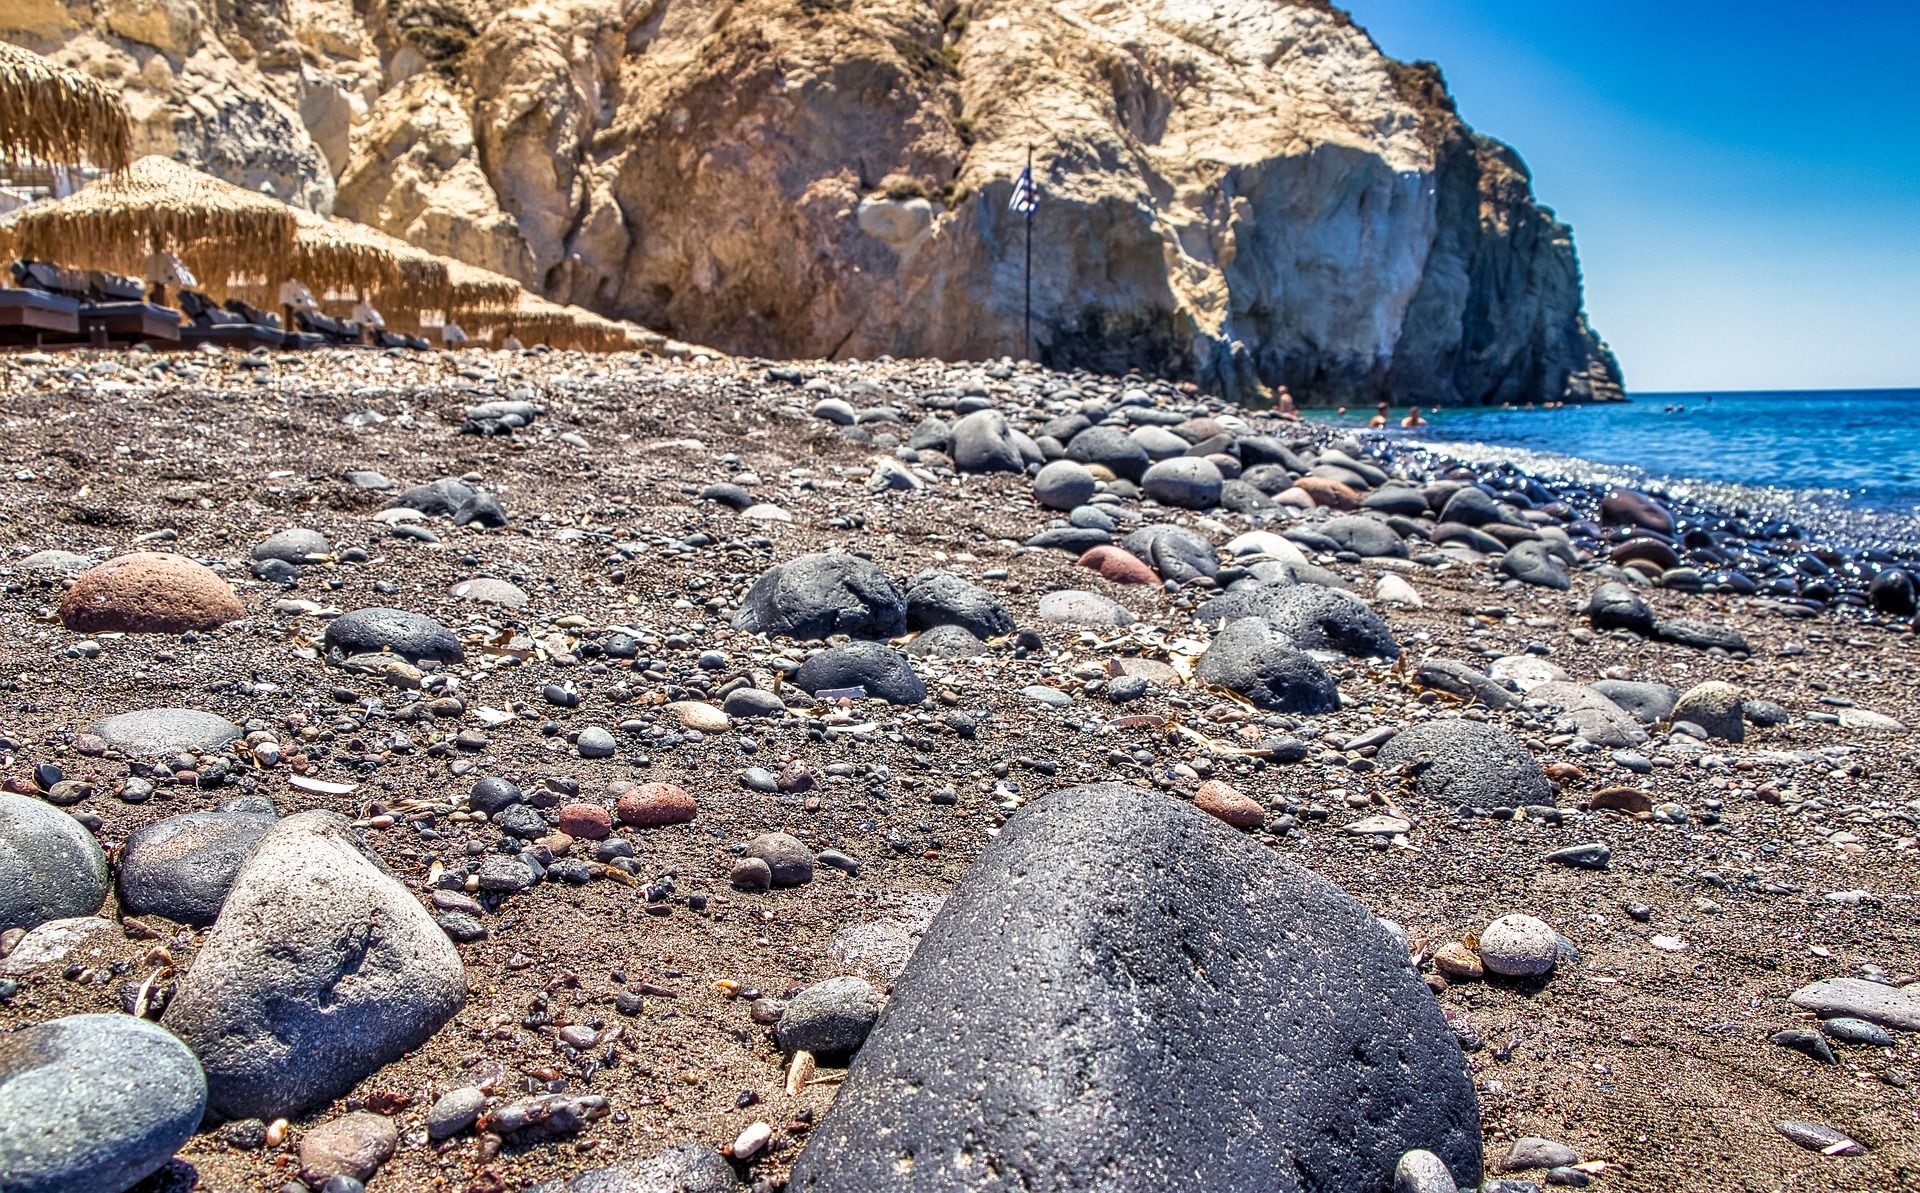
[51, 114]
[156, 204]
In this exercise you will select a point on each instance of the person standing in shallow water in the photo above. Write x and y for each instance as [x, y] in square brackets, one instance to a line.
[1283, 406]
[1379, 418]
[1413, 419]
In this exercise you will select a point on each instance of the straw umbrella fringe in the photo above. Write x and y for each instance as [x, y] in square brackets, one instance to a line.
[345, 257]
[52, 114]
[157, 204]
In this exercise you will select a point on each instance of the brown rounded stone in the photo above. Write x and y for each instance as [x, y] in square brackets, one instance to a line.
[354, 1145]
[584, 822]
[651, 805]
[1119, 566]
[1218, 798]
[149, 592]
[1330, 493]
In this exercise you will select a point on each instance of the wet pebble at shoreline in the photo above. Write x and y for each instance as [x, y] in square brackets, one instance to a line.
[605, 782]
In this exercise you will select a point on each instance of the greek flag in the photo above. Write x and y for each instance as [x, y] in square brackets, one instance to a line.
[1025, 199]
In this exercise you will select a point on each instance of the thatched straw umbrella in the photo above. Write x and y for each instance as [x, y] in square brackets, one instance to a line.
[59, 116]
[157, 205]
[476, 289]
[344, 257]
[535, 320]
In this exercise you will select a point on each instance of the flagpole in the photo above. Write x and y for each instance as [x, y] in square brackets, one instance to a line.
[1026, 332]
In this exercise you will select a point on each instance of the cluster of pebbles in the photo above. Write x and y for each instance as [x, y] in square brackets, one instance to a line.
[543, 771]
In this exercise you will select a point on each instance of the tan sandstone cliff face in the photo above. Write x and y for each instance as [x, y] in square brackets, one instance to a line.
[1243, 191]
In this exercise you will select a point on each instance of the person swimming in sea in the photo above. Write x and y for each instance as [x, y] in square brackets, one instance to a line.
[1413, 419]
[1379, 418]
[1283, 406]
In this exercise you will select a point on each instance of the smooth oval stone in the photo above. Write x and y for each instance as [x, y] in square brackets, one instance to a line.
[1069, 606]
[1191, 482]
[183, 866]
[489, 591]
[1063, 485]
[819, 595]
[1260, 662]
[830, 1018]
[412, 636]
[941, 598]
[152, 731]
[877, 668]
[1214, 974]
[51, 867]
[93, 1103]
[293, 546]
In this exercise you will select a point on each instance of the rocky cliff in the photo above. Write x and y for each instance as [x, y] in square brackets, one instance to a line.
[1246, 192]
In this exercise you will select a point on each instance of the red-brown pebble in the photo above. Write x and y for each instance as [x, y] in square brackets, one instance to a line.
[149, 592]
[585, 822]
[1330, 493]
[1119, 566]
[1220, 799]
[651, 805]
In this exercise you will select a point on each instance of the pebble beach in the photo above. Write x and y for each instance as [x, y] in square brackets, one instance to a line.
[534, 770]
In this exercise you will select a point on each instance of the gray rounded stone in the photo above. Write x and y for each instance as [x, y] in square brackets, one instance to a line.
[1314, 616]
[883, 671]
[1529, 563]
[830, 1018]
[753, 702]
[688, 1168]
[412, 636]
[454, 1111]
[93, 1103]
[1110, 448]
[1158, 442]
[487, 590]
[596, 742]
[442, 498]
[1260, 662]
[1470, 506]
[1063, 485]
[1649, 703]
[1456, 761]
[320, 969]
[1072, 606]
[293, 546]
[788, 861]
[56, 562]
[817, 596]
[1174, 551]
[1214, 974]
[941, 598]
[1190, 482]
[945, 642]
[183, 866]
[1715, 707]
[152, 731]
[1420, 1171]
[1519, 946]
[983, 442]
[1614, 606]
[51, 868]
[1370, 538]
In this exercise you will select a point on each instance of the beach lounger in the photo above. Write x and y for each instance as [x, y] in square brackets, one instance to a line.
[28, 317]
[209, 323]
[112, 307]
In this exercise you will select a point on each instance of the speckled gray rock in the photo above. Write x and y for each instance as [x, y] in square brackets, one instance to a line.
[1529, 563]
[945, 642]
[1190, 482]
[1112, 449]
[816, 596]
[883, 671]
[830, 1018]
[51, 868]
[1616, 607]
[788, 860]
[1447, 675]
[1314, 616]
[293, 546]
[1889, 1006]
[689, 1168]
[320, 969]
[1701, 635]
[454, 1111]
[93, 1103]
[441, 499]
[1174, 551]
[1648, 703]
[1470, 506]
[1063, 485]
[983, 442]
[942, 598]
[1519, 946]
[412, 636]
[1072, 606]
[1585, 712]
[1715, 707]
[1370, 538]
[1456, 761]
[1420, 1171]
[183, 866]
[1216, 974]
[150, 731]
[1260, 662]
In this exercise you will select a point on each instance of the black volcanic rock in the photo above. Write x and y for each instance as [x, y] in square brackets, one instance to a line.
[1105, 1009]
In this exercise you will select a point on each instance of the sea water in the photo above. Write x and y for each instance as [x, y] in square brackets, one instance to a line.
[1847, 461]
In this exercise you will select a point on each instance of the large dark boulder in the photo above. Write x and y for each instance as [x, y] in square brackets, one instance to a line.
[1124, 993]
[1314, 616]
[942, 598]
[816, 596]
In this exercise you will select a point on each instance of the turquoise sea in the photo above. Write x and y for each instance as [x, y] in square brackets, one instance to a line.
[1832, 456]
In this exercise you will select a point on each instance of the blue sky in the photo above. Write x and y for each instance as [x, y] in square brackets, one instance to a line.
[1743, 180]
